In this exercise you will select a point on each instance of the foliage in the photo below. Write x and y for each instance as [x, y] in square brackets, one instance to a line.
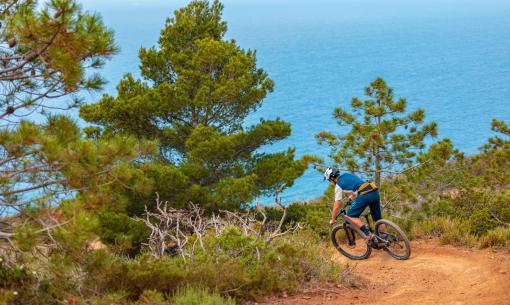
[497, 237]
[12, 276]
[180, 131]
[449, 231]
[311, 214]
[48, 51]
[47, 163]
[194, 296]
[497, 142]
[284, 265]
[249, 269]
[55, 182]
[198, 90]
[382, 135]
[470, 189]
[122, 233]
[461, 200]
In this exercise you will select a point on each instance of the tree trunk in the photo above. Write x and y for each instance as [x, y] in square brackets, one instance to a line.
[378, 150]
[378, 169]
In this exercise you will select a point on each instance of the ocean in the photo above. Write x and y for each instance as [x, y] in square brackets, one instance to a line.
[451, 58]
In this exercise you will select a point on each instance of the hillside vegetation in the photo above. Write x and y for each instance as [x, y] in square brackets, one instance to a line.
[155, 202]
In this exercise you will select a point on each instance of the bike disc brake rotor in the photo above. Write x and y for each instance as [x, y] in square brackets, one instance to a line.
[393, 241]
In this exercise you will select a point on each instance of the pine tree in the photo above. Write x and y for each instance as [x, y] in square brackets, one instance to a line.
[493, 163]
[48, 52]
[498, 142]
[44, 165]
[44, 161]
[198, 88]
[382, 136]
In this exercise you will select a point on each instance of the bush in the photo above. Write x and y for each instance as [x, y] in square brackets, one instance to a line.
[121, 232]
[498, 237]
[118, 297]
[152, 297]
[232, 261]
[449, 231]
[13, 276]
[313, 215]
[249, 267]
[198, 296]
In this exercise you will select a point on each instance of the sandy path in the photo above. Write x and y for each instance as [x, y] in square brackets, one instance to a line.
[433, 275]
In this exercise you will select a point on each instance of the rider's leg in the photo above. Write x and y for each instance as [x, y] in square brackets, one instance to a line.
[375, 207]
[375, 211]
[358, 205]
[355, 221]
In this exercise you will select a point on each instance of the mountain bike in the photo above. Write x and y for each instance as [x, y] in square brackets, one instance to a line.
[353, 243]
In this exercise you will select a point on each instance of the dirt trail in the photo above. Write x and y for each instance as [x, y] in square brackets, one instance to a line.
[433, 275]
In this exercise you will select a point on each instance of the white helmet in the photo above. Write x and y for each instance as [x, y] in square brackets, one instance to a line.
[331, 173]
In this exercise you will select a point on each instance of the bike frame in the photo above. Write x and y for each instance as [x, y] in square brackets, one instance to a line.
[349, 225]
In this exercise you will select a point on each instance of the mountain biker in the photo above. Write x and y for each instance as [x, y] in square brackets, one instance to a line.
[361, 192]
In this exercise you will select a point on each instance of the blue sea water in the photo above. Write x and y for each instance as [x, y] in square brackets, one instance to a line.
[450, 57]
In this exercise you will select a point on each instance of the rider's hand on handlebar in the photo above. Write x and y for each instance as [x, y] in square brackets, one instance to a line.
[332, 221]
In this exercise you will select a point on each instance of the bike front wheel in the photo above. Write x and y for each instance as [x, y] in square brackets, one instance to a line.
[396, 242]
[349, 242]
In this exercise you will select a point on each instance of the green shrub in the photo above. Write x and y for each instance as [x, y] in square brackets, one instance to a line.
[428, 228]
[317, 218]
[444, 207]
[198, 296]
[145, 273]
[313, 215]
[449, 231]
[115, 298]
[457, 237]
[498, 237]
[285, 264]
[12, 276]
[121, 232]
[231, 264]
[480, 221]
[152, 297]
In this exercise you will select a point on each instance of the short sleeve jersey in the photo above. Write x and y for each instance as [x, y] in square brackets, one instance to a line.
[349, 182]
[338, 193]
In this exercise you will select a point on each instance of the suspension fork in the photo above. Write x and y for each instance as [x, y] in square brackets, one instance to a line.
[350, 234]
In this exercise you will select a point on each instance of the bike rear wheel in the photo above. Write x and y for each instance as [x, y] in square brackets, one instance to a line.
[398, 245]
[349, 242]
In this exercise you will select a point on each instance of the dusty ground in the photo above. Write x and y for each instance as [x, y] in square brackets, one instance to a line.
[439, 275]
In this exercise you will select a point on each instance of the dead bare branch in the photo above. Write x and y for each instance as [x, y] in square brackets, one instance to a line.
[172, 229]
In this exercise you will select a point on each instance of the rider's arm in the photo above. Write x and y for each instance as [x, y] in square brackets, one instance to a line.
[336, 208]
[337, 204]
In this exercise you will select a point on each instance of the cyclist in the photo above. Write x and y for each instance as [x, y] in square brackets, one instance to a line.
[362, 193]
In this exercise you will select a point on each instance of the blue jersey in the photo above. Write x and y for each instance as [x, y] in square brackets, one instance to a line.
[349, 182]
